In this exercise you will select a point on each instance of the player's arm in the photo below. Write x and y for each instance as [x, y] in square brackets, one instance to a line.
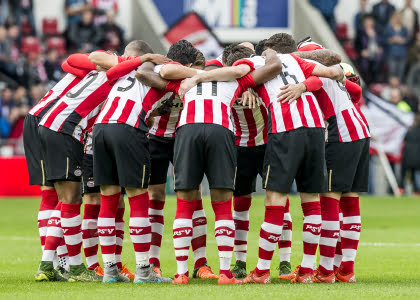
[355, 91]
[291, 92]
[146, 75]
[81, 61]
[75, 71]
[103, 59]
[324, 56]
[271, 69]
[334, 73]
[122, 69]
[176, 71]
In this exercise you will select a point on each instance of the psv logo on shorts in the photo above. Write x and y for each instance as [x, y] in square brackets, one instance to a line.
[78, 172]
[90, 184]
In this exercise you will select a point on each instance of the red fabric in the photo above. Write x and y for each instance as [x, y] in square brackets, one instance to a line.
[223, 210]
[184, 208]
[120, 214]
[354, 90]
[274, 215]
[122, 69]
[241, 203]
[81, 61]
[329, 209]
[72, 70]
[51, 241]
[350, 206]
[286, 208]
[156, 204]
[307, 67]
[139, 205]
[213, 62]
[49, 199]
[312, 83]
[311, 208]
[244, 62]
[109, 205]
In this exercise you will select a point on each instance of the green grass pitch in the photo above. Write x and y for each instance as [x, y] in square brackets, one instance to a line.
[388, 261]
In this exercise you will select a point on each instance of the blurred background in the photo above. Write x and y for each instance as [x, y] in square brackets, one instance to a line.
[379, 38]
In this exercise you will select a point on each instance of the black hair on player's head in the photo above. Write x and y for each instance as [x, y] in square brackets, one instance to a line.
[227, 51]
[183, 52]
[137, 48]
[200, 61]
[281, 43]
[238, 52]
[260, 47]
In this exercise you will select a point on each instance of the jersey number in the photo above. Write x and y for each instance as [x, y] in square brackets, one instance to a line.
[124, 89]
[213, 88]
[285, 74]
[91, 79]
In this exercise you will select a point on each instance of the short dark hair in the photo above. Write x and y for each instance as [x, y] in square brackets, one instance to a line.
[200, 60]
[281, 43]
[227, 51]
[139, 47]
[238, 52]
[260, 47]
[183, 52]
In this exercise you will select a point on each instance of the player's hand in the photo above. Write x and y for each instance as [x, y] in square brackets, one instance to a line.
[186, 85]
[99, 69]
[248, 98]
[269, 51]
[157, 59]
[291, 92]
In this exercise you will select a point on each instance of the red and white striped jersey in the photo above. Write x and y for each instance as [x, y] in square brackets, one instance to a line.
[131, 102]
[211, 102]
[76, 112]
[345, 123]
[165, 126]
[304, 112]
[250, 125]
[53, 95]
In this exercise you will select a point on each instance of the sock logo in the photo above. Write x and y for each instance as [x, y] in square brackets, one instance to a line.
[200, 221]
[314, 229]
[274, 238]
[182, 232]
[357, 227]
[336, 234]
[105, 231]
[223, 231]
[65, 230]
[54, 221]
[135, 230]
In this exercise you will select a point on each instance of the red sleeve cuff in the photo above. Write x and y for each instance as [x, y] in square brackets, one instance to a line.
[172, 63]
[244, 62]
[173, 86]
[125, 58]
[313, 83]
[213, 62]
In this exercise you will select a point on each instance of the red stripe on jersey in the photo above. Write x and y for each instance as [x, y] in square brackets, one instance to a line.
[287, 116]
[252, 127]
[62, 106]
[265, 118]
[208, 111]
[238, 131]
[191, 112]
[325, 103]
[350, 125]
[361, 125]
[111, 110]
[163, 124]
[299, 105]
[45, 98]
[225, 115]
[357, 107]
[74, 82]
[273, 120]
[314, 111]
[126, 111]
[93, 100]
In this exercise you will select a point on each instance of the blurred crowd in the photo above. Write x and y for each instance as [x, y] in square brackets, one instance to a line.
[31, 57]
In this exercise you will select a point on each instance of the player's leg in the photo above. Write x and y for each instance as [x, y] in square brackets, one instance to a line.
[338, 256]
[285, 244]
[119, 230]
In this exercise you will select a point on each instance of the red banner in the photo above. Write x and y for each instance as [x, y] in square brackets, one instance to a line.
[14, 178]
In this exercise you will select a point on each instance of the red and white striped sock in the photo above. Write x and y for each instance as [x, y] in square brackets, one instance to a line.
[157, 222]
[54, 235]
[270, 235]
[119, 229]
[338, 253]
[350, 232]
[106, 227]
[199, 237]
[224, 230]
[90, 234]
[241, 207]
[140, 229]
[330, 231]
[285, 243]
[49, 200]
[72, 231]
[183, 232]
[311, 234]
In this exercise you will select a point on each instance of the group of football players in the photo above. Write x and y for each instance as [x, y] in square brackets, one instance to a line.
[112, 125]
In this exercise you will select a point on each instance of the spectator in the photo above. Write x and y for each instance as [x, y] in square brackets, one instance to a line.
[19, 107]
[74, 10]
[5, 100]
[393, 83]
[4, 12]
[358, 18]
[36, 93]
[398, 100]
[23, 8]
[382, 13]
[371, 52]
[33, 70]
[411, 158]
[413, 78]
[100, 9]
[327, 7]
[396, 43]
[410, 20]
[113, 34]
[413, 51]
[52, 66]
[85, 35]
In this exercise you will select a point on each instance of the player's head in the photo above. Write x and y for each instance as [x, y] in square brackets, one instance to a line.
[281, 43]
[248, 45]
[308, 45]
[183, 52]
[200, 61]
[238, 52]
[137, 48]
[227, 51]
[260, 47]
